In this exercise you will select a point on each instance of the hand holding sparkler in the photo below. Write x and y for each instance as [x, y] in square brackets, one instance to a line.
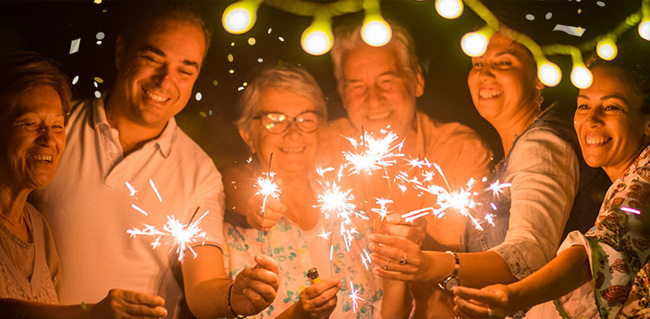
[318, 301]
[255, 287]
[495, 301]
[274, 209]
[126, 304]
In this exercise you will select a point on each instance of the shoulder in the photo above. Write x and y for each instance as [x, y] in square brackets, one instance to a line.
[438, 135]
[187, 150]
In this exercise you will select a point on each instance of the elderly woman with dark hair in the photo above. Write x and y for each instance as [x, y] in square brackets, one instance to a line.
[34, 102]
[282, 111]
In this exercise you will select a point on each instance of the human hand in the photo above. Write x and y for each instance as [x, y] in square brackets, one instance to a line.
[414, 231]
[318, 301]
[495, 301]
[124, 304]
[255, 288]
[274, 209]
[398, 258]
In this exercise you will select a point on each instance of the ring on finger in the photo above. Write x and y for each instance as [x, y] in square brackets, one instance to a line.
[386, 265]
[490, 313]
[403, 260]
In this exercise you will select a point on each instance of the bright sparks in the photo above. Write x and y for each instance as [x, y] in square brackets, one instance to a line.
[354, 297]
[174, 234]
[371, 154]
[267, 187]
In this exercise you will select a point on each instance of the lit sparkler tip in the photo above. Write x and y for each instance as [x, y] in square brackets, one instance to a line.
[354, 297]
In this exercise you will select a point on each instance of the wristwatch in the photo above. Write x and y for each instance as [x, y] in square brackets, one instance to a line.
[452, 281]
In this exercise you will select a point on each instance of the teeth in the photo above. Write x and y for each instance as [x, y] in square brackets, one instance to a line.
[155, 97]
[47, 158]
[489, 93]
[292, 149]
[380, 116]
[596, 140]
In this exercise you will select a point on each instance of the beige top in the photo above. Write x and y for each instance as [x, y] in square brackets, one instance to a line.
[29, 270]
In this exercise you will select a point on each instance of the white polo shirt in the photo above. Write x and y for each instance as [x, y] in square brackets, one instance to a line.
[90, 207]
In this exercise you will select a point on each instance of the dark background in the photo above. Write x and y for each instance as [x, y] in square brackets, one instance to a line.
[50, 26]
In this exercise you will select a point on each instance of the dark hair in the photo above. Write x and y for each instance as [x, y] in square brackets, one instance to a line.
[139, 18]
[24, 70]
[635, 67]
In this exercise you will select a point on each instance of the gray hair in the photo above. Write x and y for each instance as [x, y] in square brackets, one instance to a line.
[347, 37]
[288, 77]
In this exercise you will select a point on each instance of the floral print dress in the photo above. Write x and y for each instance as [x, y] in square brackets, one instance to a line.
[618, 246]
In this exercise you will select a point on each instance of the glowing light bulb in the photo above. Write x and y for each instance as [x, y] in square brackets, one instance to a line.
[581, 77]
[474, 44]
[240, 17]
[607, 49]
[376, 31]
[449, 9]
[644, 28]
[549, 73]
[318, 38]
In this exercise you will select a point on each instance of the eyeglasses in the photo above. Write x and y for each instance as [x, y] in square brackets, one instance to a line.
[276, 122]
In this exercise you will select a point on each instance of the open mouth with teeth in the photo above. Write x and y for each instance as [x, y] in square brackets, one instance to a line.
[596, 140]
[293, 150]
[489, 93]
[379, 116]
[42, 158]
[156, 97]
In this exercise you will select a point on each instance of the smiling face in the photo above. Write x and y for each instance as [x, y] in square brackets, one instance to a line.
[35, 139]
[376, 92]
[503, 81]
[293, 150]
[611, 128]
[156, 72]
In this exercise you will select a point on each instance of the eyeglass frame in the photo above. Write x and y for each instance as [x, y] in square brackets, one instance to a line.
[289, 120]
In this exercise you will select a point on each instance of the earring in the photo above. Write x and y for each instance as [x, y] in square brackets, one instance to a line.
[539, 99]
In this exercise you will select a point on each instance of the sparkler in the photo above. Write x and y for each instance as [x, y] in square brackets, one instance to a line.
[175, 234]
[372, 153]
[266, 187]
[354, 297]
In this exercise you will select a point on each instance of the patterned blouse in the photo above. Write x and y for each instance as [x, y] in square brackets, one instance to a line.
[618, 246]
[286, 243]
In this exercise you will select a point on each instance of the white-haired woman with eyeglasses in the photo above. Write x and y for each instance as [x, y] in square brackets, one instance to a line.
[282, 111]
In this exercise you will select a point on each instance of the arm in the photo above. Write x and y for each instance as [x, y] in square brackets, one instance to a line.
[117, 304]
[567, 272]
[207, 285]
[401, 302]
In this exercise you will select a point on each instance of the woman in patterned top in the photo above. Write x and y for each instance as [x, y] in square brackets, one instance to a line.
[282, 111]
[34, 102]
[603, 273]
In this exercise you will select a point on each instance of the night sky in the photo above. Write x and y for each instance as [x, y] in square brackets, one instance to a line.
[49, 27]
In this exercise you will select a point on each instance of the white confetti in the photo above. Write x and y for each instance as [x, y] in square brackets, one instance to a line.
[95, 84]
[260, 60]
[74, 45]
[281, 39]
[98, 94]
[99, 42]
[600, 3]
[549, 16]
[100, 35]
[231, 71]
[232, 44]
[75, 80]
[240, 88]
[198, 96]
[530, 17]
[269, 32]
[576, 31]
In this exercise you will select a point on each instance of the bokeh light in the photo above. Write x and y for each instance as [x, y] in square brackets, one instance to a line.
[240, 17]
[581, 77]
[607, 49]
[317, 39]
[549, 73]
[474, 44]
[644, 28]
[449, 9]
[376, 31]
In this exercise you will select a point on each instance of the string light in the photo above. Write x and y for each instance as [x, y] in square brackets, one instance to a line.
[318, 38]
[449, 9]
[581, 77]
[475, 43]
[375, 31]
[644, 28]
[548, 73]
[240, 16]
[607, 49]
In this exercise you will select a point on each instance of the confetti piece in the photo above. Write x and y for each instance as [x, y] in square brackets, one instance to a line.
[210, 112]
[98, 94]
[99, 42]
[530, 17]
[215, 83]
[579, 11]
[230, 58]
[97, 1]
[245, 84]
[231, 71]
[549, 16]
[252, 41]
[95, 84]
[232, 44]
[260, 60]
[240, 88]
[203, 114]
[198, 96]
[269, 31]
[100, 35]
[281, 39]
[74, 46]
[576, 31]
[75, 80]
[600, 3]
[98, 79]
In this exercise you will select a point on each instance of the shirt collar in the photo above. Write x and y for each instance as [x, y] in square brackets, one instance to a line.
[164, 141]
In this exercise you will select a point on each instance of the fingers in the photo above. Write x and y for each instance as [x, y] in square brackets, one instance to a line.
[131, 304]
[478, 302]
[140, 298]
[468, 309]
[268, 263]
[273, 211]
[325, 288]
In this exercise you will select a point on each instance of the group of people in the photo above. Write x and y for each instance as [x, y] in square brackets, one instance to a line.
[77, 175]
